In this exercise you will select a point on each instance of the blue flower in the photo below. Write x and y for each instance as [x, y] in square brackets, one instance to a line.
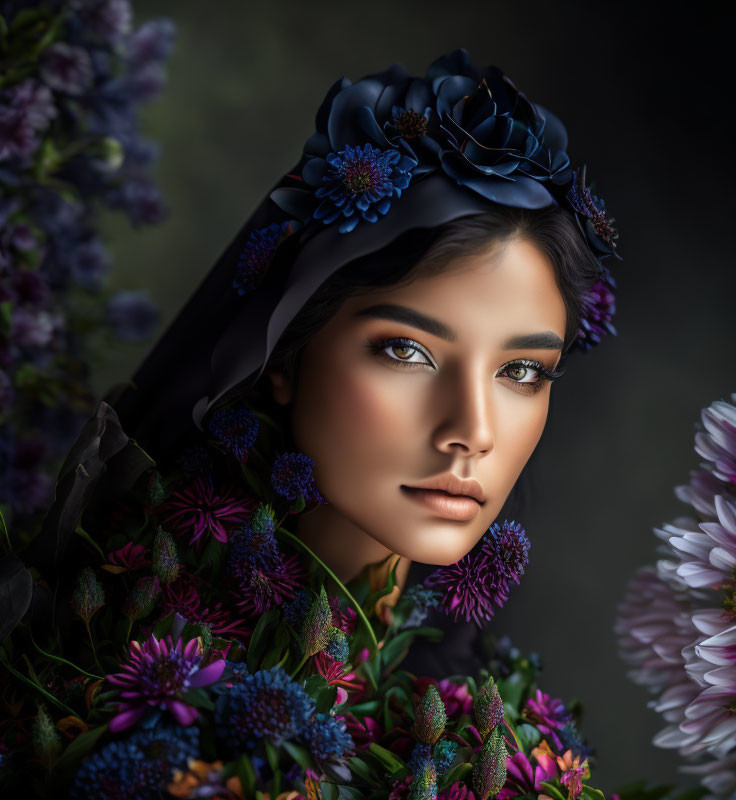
[253, 546]
[257, 254]
[138, 767]
[591, 216]
[132, 315]
[328, 738]
[295, 612]
[266, 703]
[291, 477]
[419, 756]
[237, 429]
[357, 182]
[338, 647]
[444, 754]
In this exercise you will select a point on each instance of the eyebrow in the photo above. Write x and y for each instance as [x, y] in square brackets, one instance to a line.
[545, 340]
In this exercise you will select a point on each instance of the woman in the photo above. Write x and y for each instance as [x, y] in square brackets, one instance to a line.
[392, 315]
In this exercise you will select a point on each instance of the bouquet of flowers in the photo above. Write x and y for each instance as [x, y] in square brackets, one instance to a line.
[166, 635]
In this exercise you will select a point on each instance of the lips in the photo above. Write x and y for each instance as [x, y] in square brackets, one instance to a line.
[458, 507]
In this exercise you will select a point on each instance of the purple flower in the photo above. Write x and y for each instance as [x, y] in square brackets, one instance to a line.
[291, 477]
[597, 312]
[357, 182]
[201, 510]
[524, 779]
[508, 549]
[256, 590]
[253, 546]
[237, 429]
[595, 224]
[34, 328]
[157, 675]
[548, 714]
[183, 597]
[717, 443]
[17, 137]
[110, 20]
[90, 263]
[257, 254]
[132, 315]
[470, 587]
[35, 101]
[66, 68]
[152, 42]
[6, 393]
[139, 198]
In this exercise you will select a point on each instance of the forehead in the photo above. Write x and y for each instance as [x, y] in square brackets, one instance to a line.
[505, 290]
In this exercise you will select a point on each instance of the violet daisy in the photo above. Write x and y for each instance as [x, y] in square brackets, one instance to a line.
[257, 590]
[548, 714]
[157, 675]
[200, 510]
[183, 597]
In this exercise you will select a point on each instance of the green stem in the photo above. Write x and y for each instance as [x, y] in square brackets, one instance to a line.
[64, 661]
[38, 688]
[5, 531]
[80, 531]
[356, 605]
[299, 666]
[92, 642]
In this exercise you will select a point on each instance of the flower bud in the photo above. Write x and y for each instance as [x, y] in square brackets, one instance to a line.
[489, 770]
[487, 708]
[46, 739]
[88, 596]
[317, 628]
[165, 558]
[429, 716]
[424, 783]
[142, 599]
[156, 491]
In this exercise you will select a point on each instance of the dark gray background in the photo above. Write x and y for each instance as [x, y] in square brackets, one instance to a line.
[645, 95]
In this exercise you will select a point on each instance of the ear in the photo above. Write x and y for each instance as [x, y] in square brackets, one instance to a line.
[281, 387]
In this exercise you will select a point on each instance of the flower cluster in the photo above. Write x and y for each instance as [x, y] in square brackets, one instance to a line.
[478, 584]
[73, 80]
[677, 623]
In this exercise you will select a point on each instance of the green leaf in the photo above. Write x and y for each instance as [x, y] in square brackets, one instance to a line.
[593, 794]
[258, 641]
[244, 770]
[361, 769]
[458, 773]
[80, 746]
[326, 699]
[299, 754]
[199, 699]
[529, 736]
[553, 791]
[390, 761]
[349, 793]
[314, 684]
[329, 791]
[394, 652]
[272, 754]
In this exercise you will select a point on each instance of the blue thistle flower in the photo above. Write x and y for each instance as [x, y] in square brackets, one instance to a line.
[444, 754]
[419, 756]
[237, 429]
[423, 599]
[360, 182]
[266, 703]
[138, 767]
[328, 738]
[257, 254]
[253, 546]
[195, 460]
[338, 647]
[291, 477]
[295, 612]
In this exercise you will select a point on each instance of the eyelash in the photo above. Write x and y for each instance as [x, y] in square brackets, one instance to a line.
[378, 347]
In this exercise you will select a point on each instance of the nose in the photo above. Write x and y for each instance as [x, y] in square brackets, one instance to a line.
[466, 423]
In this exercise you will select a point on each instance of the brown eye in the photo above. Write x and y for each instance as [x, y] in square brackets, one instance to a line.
[517, 372]
[407, 351]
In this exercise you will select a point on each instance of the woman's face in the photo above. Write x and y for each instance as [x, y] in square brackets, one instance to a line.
[438, 378]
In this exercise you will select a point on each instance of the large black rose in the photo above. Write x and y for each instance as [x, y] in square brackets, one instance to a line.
[494, 140]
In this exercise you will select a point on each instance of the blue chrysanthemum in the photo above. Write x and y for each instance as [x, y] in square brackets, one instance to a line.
[292, 477]
[266, 703]
[508, 548]
[237, 429]
[256, 256]
[138, 767]
[360, 182]
[328, 738]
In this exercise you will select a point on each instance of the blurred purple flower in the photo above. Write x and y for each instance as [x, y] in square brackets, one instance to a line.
[139, 198]
[17, 137]
[34, 328]
[35, 101]
[132, 315]
[152, 42]
[90, 263]
[66, 68]
[6, 393]
[110, 20]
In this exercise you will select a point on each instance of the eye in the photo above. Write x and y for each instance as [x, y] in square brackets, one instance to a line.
[530, 376]
[401, 352]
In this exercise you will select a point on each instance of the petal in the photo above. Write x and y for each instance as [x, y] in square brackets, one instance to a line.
[123, 721]
[184, 714]
[209, 674]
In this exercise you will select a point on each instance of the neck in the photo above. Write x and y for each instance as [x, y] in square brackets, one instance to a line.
[343, 546]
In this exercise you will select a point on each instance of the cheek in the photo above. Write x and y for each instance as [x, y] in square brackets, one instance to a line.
[519, 432]
[349, 420]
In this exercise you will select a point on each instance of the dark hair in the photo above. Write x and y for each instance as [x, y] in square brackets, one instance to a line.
[421, 252]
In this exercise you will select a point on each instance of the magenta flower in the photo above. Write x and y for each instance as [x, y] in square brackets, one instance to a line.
[200, 510]
[157, 675]
[259, 590]
[183, 597]
[548, 714]
[456, 698]
[523, 778]
[126, 559]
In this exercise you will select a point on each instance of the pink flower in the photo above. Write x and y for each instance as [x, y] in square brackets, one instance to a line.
[157, 674]
[127, 558]
[455, 696]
